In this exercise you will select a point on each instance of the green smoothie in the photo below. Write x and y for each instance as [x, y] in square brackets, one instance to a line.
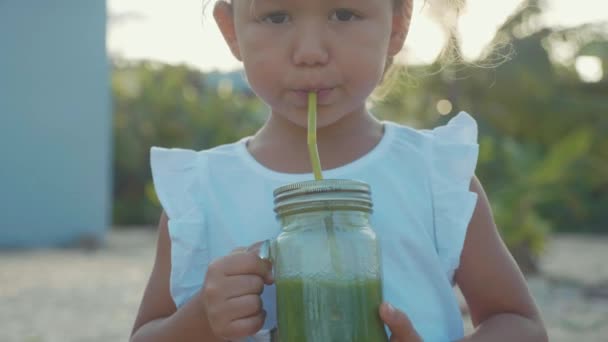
[329, 311]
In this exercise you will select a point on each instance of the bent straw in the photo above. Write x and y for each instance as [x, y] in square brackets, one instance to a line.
[312, 136]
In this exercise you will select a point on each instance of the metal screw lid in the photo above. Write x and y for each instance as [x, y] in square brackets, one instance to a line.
[323, 193]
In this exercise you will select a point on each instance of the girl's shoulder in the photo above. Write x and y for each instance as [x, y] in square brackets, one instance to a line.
[446, 157]
[459, 130]
[448, 150]
[177, 173]
[180, 159]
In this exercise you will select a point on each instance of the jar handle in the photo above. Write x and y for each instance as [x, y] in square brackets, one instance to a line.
[265, 251]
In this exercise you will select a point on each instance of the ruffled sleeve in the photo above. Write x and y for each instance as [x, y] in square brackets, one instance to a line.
[454, 152]
[176, 174]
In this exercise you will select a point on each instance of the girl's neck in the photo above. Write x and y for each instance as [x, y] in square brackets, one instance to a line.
[282, 146]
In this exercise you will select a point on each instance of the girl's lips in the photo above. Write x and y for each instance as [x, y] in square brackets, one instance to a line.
[322, 95]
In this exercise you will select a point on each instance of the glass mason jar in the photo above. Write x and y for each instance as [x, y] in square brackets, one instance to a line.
[326, 263]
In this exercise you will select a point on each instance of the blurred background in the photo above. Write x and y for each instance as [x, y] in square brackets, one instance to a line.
[86, 88]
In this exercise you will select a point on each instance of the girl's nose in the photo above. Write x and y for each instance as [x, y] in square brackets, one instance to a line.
[310, 47]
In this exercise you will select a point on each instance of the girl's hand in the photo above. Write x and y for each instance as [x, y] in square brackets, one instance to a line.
[231, 294]
[400, 326]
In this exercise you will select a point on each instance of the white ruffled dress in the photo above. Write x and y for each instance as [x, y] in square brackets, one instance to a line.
[221, 198]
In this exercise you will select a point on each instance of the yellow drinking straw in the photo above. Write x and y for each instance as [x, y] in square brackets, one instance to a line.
[316, 169]
[312, 136]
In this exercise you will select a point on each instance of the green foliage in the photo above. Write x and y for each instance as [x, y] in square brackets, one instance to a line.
[172, 106]
[529, 180]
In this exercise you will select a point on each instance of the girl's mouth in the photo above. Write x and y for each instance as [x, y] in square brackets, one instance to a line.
[323, 95]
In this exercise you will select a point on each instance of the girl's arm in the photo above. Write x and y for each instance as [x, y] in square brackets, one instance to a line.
[495, 290]
[158, 319]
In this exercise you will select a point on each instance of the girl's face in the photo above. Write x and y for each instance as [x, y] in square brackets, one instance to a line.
[336, 48]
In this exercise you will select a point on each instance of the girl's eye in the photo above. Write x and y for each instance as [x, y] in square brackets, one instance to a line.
[275, 18]
[344, 15]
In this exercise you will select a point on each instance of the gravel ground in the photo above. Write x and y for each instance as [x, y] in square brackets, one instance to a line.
[77, 295]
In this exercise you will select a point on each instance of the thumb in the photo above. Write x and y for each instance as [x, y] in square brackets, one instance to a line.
[399, 324]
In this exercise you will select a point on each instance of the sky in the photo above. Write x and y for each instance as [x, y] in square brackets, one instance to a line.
[177, 31]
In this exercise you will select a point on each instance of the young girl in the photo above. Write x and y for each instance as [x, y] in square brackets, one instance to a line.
[431, 216]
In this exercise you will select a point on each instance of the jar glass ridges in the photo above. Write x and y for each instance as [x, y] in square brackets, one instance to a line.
[327, 263]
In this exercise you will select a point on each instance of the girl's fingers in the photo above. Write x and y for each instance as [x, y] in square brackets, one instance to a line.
[244, 306]
[255, 247]
[239, 285]
[400, 325]
[245, 263]
[248, 326]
